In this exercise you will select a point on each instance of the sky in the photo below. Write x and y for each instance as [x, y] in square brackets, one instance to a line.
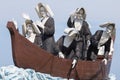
[98, 12]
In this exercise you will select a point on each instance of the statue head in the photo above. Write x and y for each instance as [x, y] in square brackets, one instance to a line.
[43, 10]
[110, 28]
[80, 13]
[28, 28]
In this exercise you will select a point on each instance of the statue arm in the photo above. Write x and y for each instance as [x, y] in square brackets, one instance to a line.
[70, 22]
[49, 28]
[87, 31]
[59, 47]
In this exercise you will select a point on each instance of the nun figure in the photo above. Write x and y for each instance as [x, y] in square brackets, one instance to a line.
[102, 42]
[31, 32]
[46, 26]
[68, 45]
[77, 21]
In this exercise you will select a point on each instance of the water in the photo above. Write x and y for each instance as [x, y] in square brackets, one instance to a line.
[112, 76]
[14, 73]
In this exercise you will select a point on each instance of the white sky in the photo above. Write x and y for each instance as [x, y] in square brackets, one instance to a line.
[98, 11]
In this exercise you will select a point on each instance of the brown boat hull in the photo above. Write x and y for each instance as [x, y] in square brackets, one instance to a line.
[28, 55]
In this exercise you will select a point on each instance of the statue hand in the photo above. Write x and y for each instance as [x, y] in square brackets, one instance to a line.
[105, 61]
[39, 24]
[61, 55]
[74, 63]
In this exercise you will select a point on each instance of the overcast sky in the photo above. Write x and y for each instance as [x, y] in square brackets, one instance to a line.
[98, 12]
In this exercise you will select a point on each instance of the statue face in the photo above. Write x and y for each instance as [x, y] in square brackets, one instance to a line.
[109, 29]
[42, 11]
[29, 28]
[81, 12]
[79, 17]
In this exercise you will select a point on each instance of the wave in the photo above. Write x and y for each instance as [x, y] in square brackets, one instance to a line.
[112, 76]
[12, 72]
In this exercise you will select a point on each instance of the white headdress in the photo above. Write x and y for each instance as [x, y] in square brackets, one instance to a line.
[70, 31]
[49, 11]
[84, 13]
[107, 24]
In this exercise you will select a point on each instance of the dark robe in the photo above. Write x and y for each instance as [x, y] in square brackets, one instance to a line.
[84, 35]
[48, 42]
[38, 40]
[71, 52]
[94, 44]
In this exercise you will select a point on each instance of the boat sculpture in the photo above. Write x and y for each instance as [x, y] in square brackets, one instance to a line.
[28, 55]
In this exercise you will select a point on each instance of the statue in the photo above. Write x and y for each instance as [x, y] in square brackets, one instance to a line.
[46, 26]
[69, 44]
[31, 31]
[77, 21]
[102, 42]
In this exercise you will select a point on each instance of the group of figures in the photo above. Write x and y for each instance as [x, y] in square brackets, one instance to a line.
[78, 43]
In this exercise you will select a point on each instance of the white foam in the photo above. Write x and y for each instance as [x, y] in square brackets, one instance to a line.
[112, 76]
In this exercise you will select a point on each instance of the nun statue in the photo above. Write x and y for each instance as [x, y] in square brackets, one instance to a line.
[102, 42]
[69, 44]
[77, 21]
[31, 31]
[46, 26]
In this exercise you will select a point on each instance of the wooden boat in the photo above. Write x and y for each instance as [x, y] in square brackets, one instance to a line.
[28, 55]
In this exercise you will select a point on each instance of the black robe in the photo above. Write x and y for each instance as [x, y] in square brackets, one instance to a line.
[71, 52]
[94, 44]
[38, 40]
[84, 35]
[48, 41]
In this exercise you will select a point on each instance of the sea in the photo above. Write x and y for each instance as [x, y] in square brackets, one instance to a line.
[12, 72]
